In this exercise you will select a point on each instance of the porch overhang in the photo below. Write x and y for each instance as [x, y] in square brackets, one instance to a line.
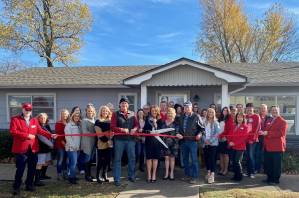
[226, 76]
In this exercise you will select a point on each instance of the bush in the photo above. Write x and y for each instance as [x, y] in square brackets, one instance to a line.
[5, 145]
[291, 162]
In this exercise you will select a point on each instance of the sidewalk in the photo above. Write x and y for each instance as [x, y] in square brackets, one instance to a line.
[161, 188]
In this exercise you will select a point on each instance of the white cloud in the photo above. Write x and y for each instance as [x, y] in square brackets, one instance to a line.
[140, 44]
[169, 35]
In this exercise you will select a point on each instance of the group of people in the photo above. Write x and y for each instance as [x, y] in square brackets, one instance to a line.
[78, 138]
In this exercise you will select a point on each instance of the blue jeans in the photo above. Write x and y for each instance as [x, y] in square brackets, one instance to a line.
[140, 153]
[119, 147]
[190, 148]
[21, 160]
[81, 160]
[61, 160]
[73, 157]
[259, 155]
[250, 152]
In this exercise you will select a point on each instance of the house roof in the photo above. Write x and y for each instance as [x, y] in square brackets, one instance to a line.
[72, 77]
[274, 74]
[266, 74]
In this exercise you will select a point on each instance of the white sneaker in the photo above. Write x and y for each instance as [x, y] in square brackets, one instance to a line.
[245, 175]
[82, 172]
[252, 176]
[210, 179]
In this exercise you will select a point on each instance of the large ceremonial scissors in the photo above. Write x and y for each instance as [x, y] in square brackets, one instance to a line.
[158, 131]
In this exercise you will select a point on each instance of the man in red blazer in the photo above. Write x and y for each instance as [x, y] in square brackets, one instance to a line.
[24, 129]
[274, 145]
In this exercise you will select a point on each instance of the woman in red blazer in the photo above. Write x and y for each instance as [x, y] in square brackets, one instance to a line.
[237, 141]
[59, 144]
[274, 145]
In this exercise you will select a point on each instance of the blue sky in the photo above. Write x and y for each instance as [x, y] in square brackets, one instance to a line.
[134, 32]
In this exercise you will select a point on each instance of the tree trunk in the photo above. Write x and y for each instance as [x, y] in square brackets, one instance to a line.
[49, 63]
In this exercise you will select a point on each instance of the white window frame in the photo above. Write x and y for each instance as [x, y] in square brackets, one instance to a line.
[129, 94]
[31, 94]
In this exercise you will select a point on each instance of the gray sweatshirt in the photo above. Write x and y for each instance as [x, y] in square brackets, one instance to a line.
[88, 143]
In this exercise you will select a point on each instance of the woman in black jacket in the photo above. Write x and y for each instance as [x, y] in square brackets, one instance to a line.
[44, 153]
[153, 148]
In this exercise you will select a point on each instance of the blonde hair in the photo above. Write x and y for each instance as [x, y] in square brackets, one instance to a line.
[74, 114]
[68, 117]
[157, 108]
[101, 118]
[172, 111]
[214, 115]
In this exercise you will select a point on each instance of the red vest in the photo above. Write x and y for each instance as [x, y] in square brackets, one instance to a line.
[228, 127]
[59, 130]
[275, 140]
[20, 131]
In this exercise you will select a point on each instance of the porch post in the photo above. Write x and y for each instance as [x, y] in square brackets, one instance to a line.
[297, 116]
[143, 95]
[224, 95]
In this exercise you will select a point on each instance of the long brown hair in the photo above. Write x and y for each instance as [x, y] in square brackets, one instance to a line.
[157, 108]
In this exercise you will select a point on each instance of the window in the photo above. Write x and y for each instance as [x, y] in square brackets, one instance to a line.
[41, 104]
[287, 106]
[132, 97]
[176, 98]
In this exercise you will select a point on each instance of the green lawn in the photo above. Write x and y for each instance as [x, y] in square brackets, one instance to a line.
[244, 193]
[61, 189]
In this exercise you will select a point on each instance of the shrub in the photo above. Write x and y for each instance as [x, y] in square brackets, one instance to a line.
[291, 162]
[5, 145]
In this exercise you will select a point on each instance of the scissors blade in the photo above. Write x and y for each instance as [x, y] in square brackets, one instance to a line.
[161, 141]
[162, 130]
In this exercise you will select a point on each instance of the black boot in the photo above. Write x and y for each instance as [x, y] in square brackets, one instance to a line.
[88, 176]
[43, 173]
[37, 181]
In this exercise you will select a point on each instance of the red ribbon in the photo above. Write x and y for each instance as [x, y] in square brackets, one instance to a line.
[139, 134]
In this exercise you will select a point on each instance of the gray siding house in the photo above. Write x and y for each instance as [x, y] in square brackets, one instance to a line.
[51, 89]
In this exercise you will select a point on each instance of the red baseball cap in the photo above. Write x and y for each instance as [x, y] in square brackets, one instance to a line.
[27, 106]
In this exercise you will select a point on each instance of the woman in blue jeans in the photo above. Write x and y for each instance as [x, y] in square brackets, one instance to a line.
[60, 142]
[210, 143]
[72, 145]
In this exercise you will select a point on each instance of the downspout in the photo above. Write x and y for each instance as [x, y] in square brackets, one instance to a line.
[239, 89]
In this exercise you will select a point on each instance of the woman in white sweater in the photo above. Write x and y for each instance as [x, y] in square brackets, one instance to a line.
[72, 145]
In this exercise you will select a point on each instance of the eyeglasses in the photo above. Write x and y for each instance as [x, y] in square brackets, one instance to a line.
[90, 105]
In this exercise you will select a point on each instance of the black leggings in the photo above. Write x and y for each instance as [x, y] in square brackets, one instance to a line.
[103, 161]
[237, 159]
[210, 157]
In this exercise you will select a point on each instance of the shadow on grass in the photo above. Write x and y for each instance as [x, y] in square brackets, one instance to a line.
[64, 189]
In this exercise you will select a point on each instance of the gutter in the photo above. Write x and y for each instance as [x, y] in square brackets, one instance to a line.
[240, 89]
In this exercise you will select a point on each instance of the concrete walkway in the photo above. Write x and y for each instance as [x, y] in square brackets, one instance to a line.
[177, 188]
[161, 188]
